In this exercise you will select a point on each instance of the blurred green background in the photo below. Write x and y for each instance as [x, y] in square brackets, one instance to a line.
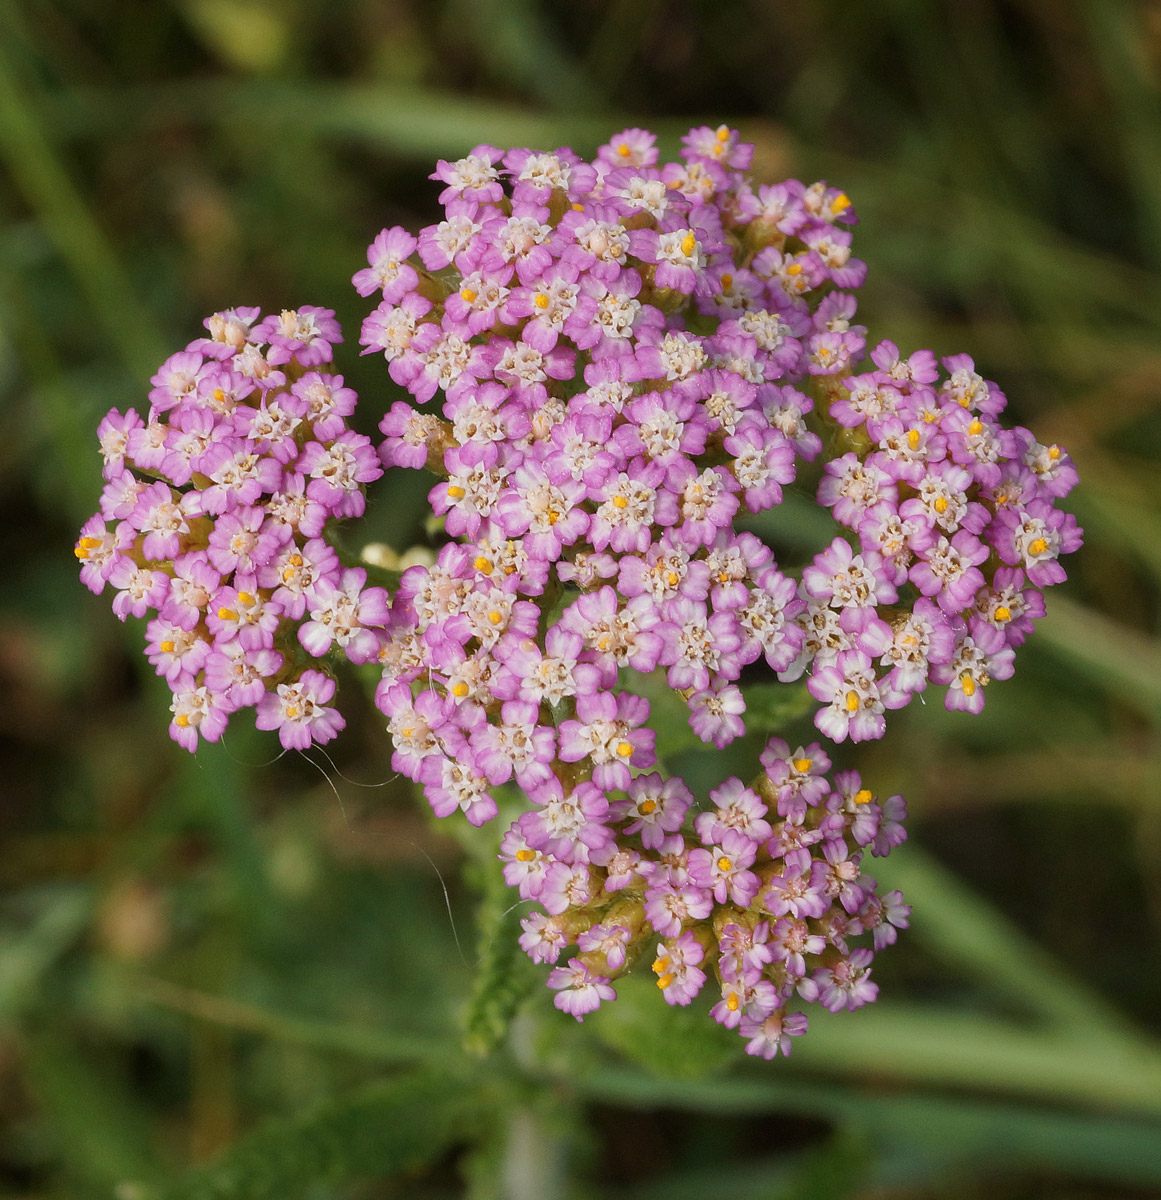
[264, 962]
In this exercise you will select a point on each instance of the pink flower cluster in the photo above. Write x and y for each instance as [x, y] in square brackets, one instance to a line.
[629, 357]
[947, 504]
[212, 520]
[766, 891]
[625, 355]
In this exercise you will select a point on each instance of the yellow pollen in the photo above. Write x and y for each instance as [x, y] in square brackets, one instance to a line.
[964, 401]
[455, 491]
[407, 732]
[1054, 452]
[1003, 613]
[969, 685]
[484, 564]
[291, 711]
[247, 599]
[688, 244]
[219, 396]
[295, 560]
[553, 516]
[724, 863]
[620, 502]
[663, 981]
[976, 428]
[1038, 546]
[794, 269]
[167, 647]
[673, 579]
[723, 133]
[623, 150]
[467, 295]
[940, 504]
[578, 208]
[661, 965]
[227, 614]
[496, 617]
[913, 438]
[727, 281]
[732, 1002]
[647, 807]
[541, 301]
[525, 855]
[181, 720]
[723, 577]
[801, 765]
[90, 543]
[288, 574]
[79, 551]
[863, 796]
[852, 701]
[624, 749]
[929, 418]
[460, 689]
[840, 203]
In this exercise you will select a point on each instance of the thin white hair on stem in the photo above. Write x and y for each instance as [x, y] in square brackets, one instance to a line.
[330, 783]
[510, 908]
[354, 782]
[447, 902]
[242, 762]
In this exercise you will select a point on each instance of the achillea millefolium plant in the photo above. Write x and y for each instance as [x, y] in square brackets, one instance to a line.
[610, 363]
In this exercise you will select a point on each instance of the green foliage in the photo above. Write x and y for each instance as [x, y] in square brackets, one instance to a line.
[503, 977]
[398, 1126]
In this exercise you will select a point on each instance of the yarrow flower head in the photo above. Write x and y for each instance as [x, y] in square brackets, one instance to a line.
[211, 518]
[608, 364]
